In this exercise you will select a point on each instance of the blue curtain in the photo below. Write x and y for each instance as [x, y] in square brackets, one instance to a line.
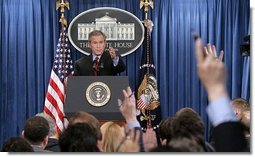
[29, 31]
[220, 22]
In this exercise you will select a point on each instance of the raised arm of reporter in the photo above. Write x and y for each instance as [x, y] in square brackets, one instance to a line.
[228, 132]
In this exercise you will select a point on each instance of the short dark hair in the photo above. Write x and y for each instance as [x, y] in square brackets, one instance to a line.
[179, 145]
[165, 129]
[36, 129]
[80, 137]
[188, 124]
[51, 123]
[84, 117]
[17, 144]
[183, 144]
[97, 33]
[184, 118]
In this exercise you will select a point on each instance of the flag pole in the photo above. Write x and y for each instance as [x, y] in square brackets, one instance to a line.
[62, 4]
[148, 26]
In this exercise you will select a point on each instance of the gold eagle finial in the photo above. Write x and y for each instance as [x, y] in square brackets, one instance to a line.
[62, 4]
[146, 4]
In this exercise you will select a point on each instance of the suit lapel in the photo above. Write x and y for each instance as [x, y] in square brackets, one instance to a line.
[90, 60]
[102, 58]
[102, 62]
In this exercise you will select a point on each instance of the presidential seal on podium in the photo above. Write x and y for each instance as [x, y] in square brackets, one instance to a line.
[98, 94]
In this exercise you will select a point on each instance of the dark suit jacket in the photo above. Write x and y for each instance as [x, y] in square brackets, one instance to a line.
[53, 145]
[229, 137]
[84, 66]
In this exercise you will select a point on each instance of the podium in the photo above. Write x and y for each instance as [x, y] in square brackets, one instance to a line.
[96, 95]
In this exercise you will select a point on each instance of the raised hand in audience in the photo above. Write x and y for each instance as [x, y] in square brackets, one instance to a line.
[211, 50]
[127, 108]
[128, 105]
[149, 140]
[212, 72]
[228, 132]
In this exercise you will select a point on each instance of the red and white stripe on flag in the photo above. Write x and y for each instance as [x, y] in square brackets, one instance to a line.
[141, 103]
[62, 67]
[54, 101]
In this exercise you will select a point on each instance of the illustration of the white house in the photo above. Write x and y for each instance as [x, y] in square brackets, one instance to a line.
[113, 30]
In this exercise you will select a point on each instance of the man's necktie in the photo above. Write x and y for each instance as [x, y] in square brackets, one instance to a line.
[96, 68]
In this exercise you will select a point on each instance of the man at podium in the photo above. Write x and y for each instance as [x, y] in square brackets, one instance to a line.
[99, 62]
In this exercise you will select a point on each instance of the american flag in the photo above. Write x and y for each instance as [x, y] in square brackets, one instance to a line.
[62, 67]
[142, 102]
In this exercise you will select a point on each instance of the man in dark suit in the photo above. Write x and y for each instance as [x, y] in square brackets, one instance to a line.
[100, 62]
[53, 144]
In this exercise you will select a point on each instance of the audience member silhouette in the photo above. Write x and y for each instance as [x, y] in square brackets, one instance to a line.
[239, 105]
[165, 130]
[79, 137]
[17, 144]
[36, 131]
[187, 123]
[84, 117]
[112, 134]
[181, 144]
[53, 144]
